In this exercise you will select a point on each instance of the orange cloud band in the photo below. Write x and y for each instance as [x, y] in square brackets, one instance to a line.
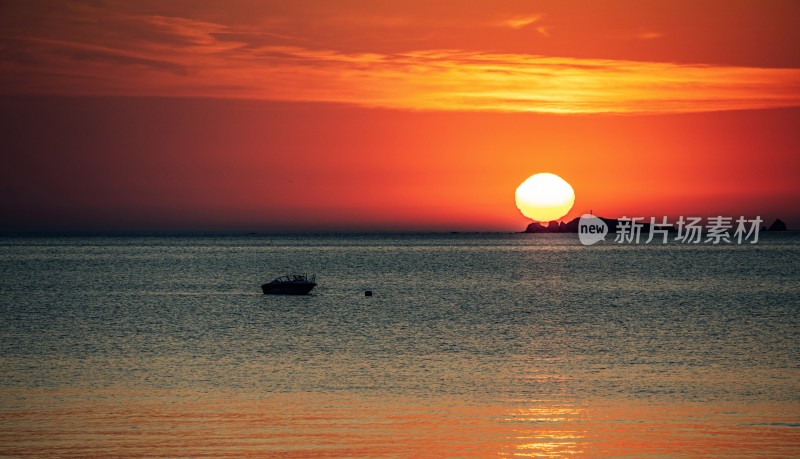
[196, 59]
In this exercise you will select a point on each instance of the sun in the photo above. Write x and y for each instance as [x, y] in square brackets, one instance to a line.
[544, 197]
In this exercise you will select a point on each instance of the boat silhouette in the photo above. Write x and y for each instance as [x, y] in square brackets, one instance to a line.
[290, 284]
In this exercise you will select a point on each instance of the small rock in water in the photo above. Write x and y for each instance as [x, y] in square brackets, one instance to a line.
[368, 293]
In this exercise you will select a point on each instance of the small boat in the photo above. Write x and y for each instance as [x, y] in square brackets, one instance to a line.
[291, 284]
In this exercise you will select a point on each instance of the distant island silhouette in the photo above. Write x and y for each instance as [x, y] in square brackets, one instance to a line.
[572, 226]
[777, 225]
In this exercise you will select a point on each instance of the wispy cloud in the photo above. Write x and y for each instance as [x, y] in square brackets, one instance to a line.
[649, 35]
[543, 30]
[518, 22]
[179, 57]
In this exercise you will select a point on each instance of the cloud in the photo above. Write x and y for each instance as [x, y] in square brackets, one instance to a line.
[648, 35]
[120, 54]
[544, 30]
[518, 22]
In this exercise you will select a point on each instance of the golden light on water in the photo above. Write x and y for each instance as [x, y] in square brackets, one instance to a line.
[76, 423]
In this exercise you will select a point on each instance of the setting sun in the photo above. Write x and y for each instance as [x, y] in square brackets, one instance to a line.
[545, 197]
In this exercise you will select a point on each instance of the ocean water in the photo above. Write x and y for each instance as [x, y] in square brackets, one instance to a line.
[473, 345]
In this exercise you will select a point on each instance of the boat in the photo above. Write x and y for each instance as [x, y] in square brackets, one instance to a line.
[291, 284]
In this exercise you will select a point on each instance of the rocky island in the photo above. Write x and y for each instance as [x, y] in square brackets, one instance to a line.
[572, 226]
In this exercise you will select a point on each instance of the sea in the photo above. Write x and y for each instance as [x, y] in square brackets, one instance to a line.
[471, 346]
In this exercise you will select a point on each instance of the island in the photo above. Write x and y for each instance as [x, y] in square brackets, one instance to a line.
[572, 226]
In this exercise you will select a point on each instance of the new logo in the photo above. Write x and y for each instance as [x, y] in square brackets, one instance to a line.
[591, 229]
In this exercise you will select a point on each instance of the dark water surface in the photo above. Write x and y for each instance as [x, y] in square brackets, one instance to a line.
[498, 345]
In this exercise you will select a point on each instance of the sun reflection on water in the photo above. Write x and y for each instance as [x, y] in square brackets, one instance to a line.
[122, 424]
[545, 431]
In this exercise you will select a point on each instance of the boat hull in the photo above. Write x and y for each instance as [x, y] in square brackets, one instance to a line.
[288, 288]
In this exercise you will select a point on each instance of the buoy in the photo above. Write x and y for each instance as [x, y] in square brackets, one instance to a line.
[368, 293]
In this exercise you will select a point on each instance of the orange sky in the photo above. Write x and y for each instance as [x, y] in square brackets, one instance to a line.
[405, 115]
